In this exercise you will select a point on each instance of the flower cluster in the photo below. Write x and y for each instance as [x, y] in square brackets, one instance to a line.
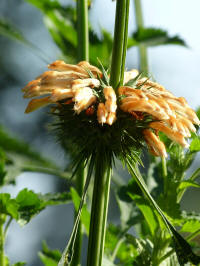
[82, 84]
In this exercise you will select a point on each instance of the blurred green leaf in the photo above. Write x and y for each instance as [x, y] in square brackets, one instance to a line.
[19, 264]
[85, 215]
[147, 211]
[15, 155]
[195, 144]
[188, 183]
[49, 257]
[45, 5]
[9, 30]
[154, 37]
[11, 144]
[191, 226]
[8, 206]
[126, 252]
[100, 47]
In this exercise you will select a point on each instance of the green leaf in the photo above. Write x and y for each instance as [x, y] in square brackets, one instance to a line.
[49, 257]
[129, 214]
[15, 156]
[126, 252]
[45, 5]
[11, 144]
[8, 206]
[46, 260]
[100, 47]
[19, 264]
[31, 203]
[188, 183]
[85, 215]
[154, 37]
[191, 226]
[195, 144]
[147, 211]
[68, 49]
[183, 249]
[10, 31]
[27, 204]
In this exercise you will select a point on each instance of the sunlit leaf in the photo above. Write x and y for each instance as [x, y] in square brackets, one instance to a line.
[191, 226]
[195, 144]
[188, 183]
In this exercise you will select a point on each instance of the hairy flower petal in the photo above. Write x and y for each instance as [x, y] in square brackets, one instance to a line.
[155, 144]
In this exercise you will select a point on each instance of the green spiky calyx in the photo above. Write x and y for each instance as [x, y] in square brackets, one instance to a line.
[84, 136]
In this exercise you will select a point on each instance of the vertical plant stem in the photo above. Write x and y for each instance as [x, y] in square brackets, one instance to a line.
[2, 241]
[103, 168]
[99, 212]
[142, 48]
[83, 54]
[120, 43]
[82, 30]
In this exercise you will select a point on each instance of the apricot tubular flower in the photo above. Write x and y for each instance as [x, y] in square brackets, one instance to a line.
[83, 84]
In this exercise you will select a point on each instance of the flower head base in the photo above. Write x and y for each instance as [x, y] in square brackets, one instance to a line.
[144, 107]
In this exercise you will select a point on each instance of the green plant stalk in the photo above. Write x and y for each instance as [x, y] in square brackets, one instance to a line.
[82, 29]
[99, 213]
[164, 172]
[120, 43]
[80, 181]
[2, 242]
[83, 54]
[142, 48]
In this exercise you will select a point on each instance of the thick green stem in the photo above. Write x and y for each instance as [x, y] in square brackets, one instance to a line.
[80, 180]
[120, 43]
[83, 54]
[142, 48]
[2, 241]
[82, 29]
[99, 213]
